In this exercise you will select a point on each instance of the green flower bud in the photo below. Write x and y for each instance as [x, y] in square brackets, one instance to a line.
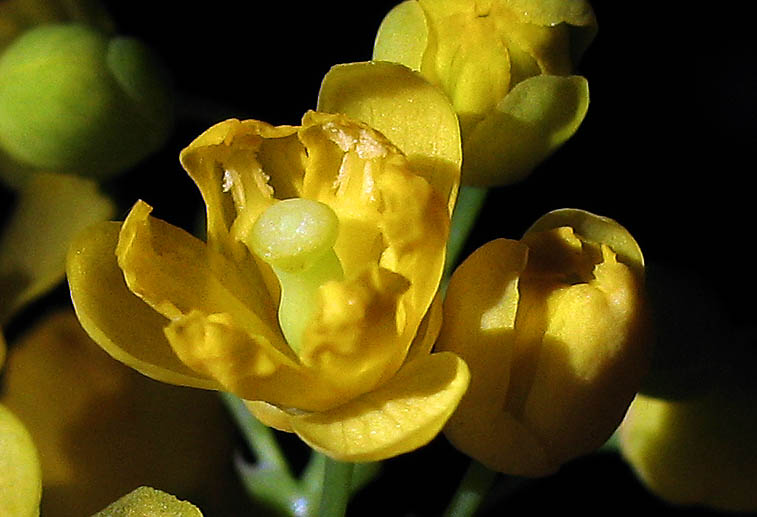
[506, 66]
[150, 502]
[73, 100]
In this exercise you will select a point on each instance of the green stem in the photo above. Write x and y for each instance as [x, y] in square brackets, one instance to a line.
[337, 485]
[470, 201]
[472, 490]
[260, 438]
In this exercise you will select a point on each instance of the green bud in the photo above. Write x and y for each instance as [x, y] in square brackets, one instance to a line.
[73, 100]
[148, 502]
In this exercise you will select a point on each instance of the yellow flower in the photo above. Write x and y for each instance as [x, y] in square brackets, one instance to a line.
[552, 328]
[310, 298]
[506, 65]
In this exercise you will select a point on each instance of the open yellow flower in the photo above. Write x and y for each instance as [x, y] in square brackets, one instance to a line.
[552, 328]
[310, 298]
[507, 67]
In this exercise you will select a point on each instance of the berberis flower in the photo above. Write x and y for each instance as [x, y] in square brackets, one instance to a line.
[507, 67]
[553, 328]
[313, 297]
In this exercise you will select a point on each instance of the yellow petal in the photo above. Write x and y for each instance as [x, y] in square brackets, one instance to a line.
[247, 365]
[552, 12]
[590, 362]
[51, 209]
[175, 273]
[414, 115]
[480, 312]
[117, 320]
[402, 415]
[270, 415]
[402, 36]
[595, 228]
[355, 341]
[533, 120]
[428, 331]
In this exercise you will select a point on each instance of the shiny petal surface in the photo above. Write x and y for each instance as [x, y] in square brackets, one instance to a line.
[533, 120]
[245, 364]
[116, 319]
[414, 115]
[175, 273]
[402, 415]
[402, 36]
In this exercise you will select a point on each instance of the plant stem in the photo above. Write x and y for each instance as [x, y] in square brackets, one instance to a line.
[337, 486]
[260, 438]
[470, 201]
[472, 490]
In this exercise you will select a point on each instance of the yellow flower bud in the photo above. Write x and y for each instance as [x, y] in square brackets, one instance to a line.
[74, 100]
[506, 66]
[552, 328]
[699, 451]
[20, 475]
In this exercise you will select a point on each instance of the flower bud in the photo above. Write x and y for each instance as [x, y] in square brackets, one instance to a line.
[20, 475]
[73, 100]
[148, 501]
[506, 66]
[698, 451]
[552, 328]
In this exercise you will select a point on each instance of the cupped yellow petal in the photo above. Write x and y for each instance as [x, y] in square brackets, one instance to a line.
[590, 362]
[176, 273]
[403, 35]
[270, 415]
[428, 331]
[537, 116]
[402, 415]
[246, 365]
[117, 320]
[414, 115]
[596, 228]
[479, 324]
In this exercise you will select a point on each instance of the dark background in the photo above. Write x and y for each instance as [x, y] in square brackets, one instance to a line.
[665, 149]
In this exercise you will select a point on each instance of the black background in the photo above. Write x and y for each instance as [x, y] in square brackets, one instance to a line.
[665, 149]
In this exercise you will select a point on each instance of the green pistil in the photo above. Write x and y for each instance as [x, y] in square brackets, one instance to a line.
[296, 238]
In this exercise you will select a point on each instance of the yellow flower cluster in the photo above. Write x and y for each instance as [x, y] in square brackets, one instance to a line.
[315, 296]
